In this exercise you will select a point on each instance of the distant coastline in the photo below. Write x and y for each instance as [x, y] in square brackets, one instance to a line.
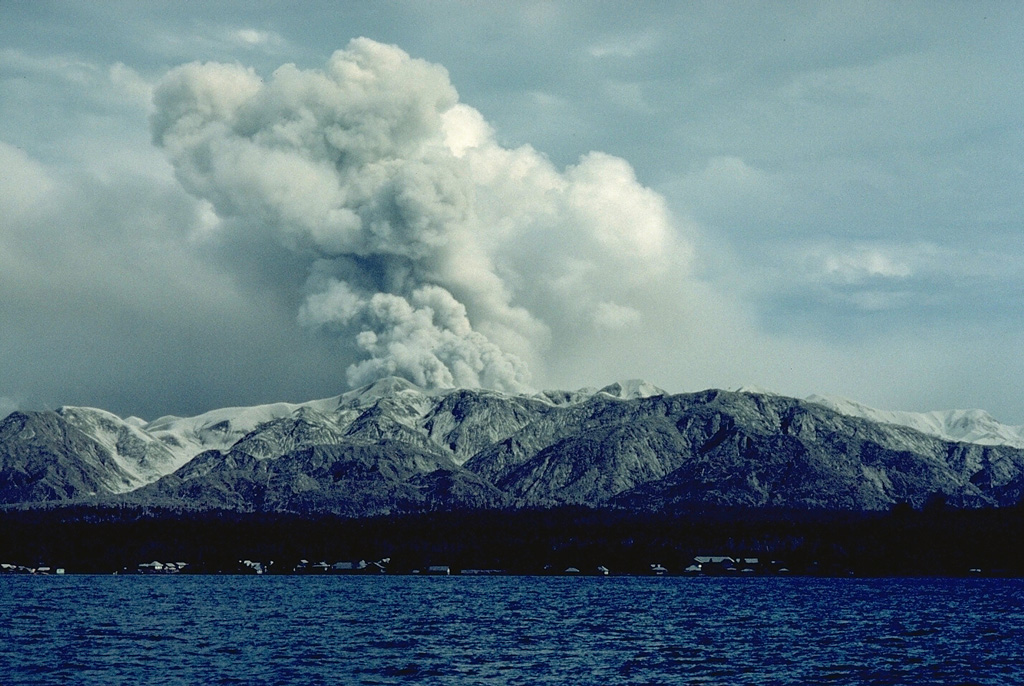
[931, 541]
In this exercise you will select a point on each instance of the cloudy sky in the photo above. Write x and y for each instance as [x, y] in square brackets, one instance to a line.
[229, 203]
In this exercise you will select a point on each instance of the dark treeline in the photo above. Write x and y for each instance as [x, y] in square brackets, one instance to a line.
[934, 541]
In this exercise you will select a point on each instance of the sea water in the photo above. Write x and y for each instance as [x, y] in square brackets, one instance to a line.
[114, 630]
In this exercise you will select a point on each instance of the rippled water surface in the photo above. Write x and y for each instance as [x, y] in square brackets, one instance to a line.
[508, 630]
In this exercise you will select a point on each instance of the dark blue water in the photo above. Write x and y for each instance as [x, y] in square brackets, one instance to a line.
[508, 630]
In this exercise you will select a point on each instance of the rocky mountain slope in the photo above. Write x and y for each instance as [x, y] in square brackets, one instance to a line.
[45, 458]
[393, 447]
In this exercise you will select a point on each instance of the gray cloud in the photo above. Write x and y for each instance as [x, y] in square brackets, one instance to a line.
[444, 256]
[426, 338]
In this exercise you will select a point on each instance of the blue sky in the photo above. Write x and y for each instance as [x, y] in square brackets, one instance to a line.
[804, 197]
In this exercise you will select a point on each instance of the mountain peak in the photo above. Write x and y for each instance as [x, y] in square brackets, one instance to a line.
[381, 388]
[755, 390]
[631, 389]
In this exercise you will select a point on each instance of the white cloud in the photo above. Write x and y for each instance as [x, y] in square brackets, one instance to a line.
[863, 263]
[254, 38]
[464, 128]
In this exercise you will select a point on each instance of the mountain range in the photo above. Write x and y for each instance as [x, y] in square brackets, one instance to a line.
[392, 447]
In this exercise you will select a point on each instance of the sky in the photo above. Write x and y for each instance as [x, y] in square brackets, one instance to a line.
[230, 203]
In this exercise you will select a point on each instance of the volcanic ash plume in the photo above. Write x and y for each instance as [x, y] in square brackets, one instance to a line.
[435, 253]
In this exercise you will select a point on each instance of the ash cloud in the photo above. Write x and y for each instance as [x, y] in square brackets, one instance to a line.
[430, 250]
[426, 338]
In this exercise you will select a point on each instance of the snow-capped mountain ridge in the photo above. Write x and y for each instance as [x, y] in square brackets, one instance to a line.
[391, 446]
[966, 426]
[149, 450]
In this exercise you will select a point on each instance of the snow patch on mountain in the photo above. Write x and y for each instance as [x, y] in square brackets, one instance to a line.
[965, 426]
[754, 390]
[558, 398]
[141, 456]
[147, 451]
[388, 387]
[631, 389]
[220, 429]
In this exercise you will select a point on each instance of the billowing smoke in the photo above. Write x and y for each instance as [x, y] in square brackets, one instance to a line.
[435, 253]
[427, 339]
